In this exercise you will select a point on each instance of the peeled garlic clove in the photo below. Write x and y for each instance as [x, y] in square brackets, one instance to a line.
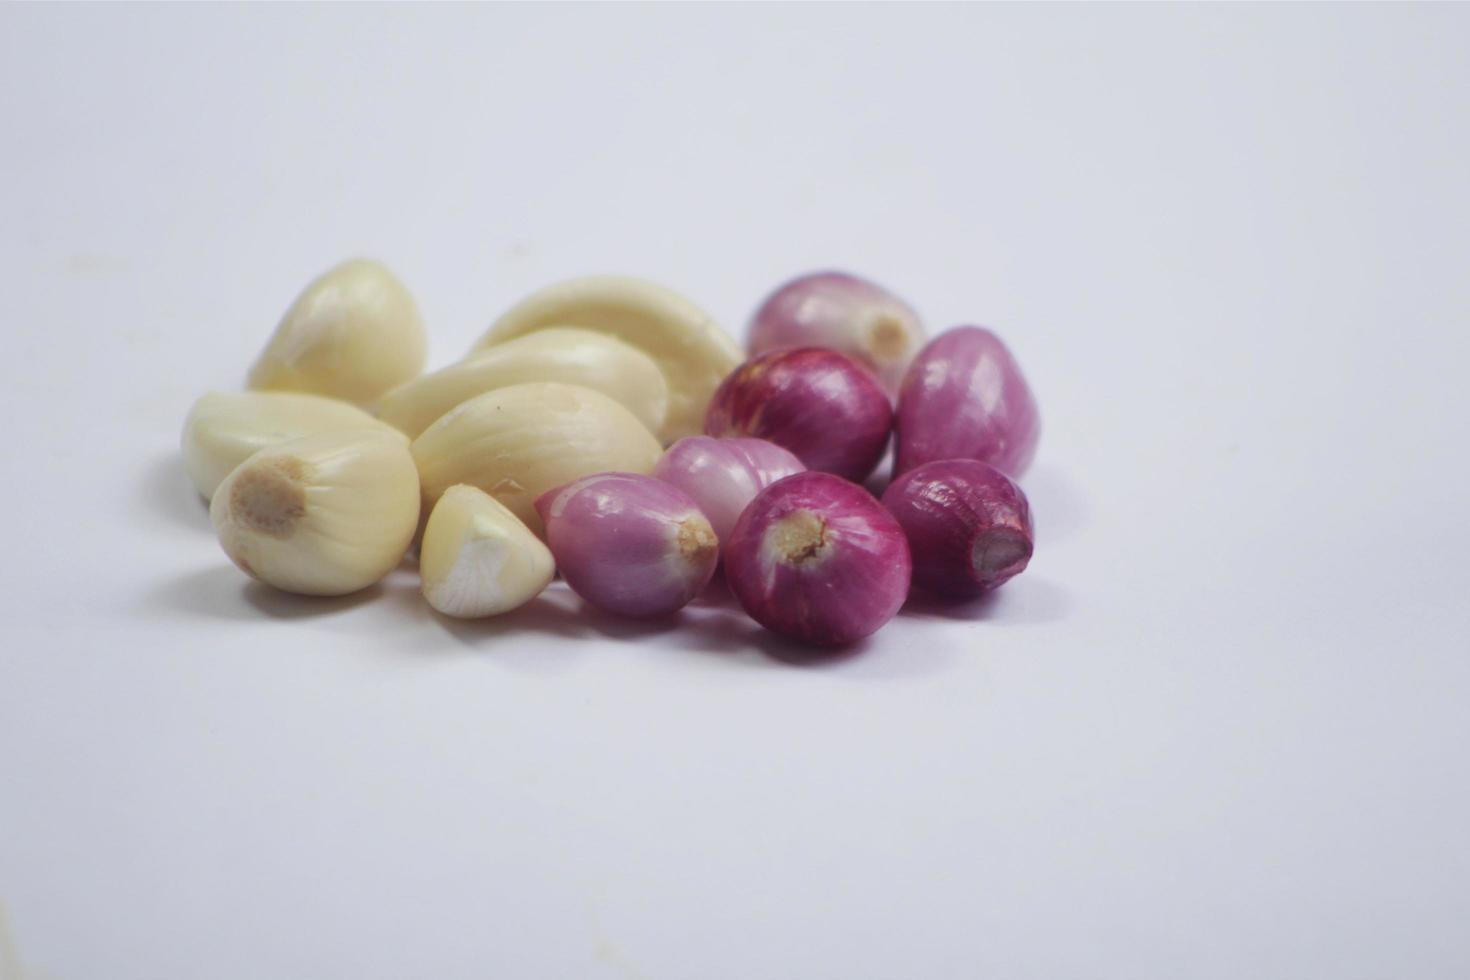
[478, 559]
[693, 352]
[518, 442]
[225, 428]
[325, 514]
[566, 354]
[354, 333]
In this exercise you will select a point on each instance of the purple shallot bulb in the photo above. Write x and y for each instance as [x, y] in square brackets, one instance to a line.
[968, 526]
[724, 475]
[817, 559]
[821, 405]
[846, 313]
[629, 544]
[964, 398]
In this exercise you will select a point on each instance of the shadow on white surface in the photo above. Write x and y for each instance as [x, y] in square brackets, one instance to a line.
[1058, 505]
[547, 615]
[718, 626]
[713, 626]
[284, 605]
[223, 592]
[1023, 601]
[167, 495]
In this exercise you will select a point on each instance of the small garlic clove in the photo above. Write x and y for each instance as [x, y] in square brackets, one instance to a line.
[354, 333]
[693, 352]
[478, 559]
[518, 442]
[225, 428]
[566, 354]
[325, 514]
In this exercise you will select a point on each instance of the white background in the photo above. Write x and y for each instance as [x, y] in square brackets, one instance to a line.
[1218, 730]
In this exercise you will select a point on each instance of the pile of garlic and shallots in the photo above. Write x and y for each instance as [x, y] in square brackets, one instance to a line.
[606, 430]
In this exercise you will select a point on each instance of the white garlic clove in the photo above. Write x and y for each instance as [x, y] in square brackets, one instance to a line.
[224, 428]
[478, 559]
[354, 333]
[325, 514]
[693, 352]
[567, 354]
[518, 442]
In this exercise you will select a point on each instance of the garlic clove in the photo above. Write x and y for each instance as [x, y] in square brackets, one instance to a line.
[354, 333]
[225, 428]
[565, 354]
[325, 514]
[518, 442]
[693, 352]
[478, 559]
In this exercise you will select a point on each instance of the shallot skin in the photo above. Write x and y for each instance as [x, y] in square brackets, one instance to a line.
[846, 313]
[968, 526]
[820, 404]
[724, 475]
[629, 544]
[817, 559]
[964, 398]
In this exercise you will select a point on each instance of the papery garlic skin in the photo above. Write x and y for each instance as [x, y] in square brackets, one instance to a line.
[354, 333]
[325, 514]
[569, 355]
[478, 559]
[516, 443]
[693, 351]
[224, 428]
[629, 544]
[846, 313]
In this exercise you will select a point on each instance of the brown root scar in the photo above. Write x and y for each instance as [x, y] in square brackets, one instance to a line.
[887, 339]
[270, 496]
[800, 537]
[697, 539]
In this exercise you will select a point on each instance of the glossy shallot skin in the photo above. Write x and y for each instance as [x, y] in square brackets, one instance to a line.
[821, 405]
[724, 475]
[817, 559]
[964, 398]
[968, 526]
[846, 313]
[629, 544]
